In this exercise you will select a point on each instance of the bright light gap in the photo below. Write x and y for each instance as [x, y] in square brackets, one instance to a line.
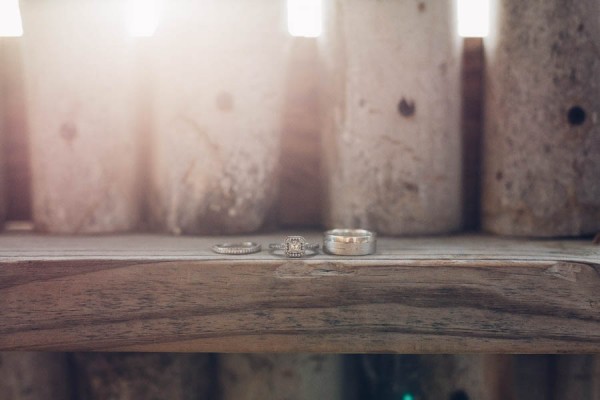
[143, 17]
[473, 18]
[305, 18]
[10, 19]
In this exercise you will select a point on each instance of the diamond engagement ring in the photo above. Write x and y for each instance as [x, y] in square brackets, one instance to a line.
[349, 242]
[295, 247]
[236, 248]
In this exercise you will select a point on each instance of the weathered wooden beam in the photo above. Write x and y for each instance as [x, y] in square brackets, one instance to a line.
[159, 293]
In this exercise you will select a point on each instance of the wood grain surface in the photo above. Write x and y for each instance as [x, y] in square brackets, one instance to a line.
[417, 295]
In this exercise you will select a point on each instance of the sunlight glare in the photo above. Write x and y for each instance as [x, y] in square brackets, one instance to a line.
[143, 17]
[473, 18]
[304, 17]
[10, 18]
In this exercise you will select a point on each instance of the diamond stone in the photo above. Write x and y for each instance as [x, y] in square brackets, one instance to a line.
[294, 246]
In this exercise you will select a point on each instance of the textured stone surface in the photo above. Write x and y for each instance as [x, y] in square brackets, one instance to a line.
[133, 376]
[577, 377]
[430, 377]
[78, 71]
[280, 377]
[391, 124]
[219, 94]
[34, 376]
[542, 140]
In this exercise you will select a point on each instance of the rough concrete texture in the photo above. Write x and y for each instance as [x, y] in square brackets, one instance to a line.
[542, 139]
[34, 376]
[129, 376]
[280, 376]
[391, 124]
[577, 377]
[220, 68]
[446, 377]
[78, 71]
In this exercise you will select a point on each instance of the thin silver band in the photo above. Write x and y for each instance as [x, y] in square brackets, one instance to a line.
[237, 248]
[350, 242]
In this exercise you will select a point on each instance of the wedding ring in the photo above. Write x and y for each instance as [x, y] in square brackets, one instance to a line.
[349, 242]
[236, 248]
[295, 247]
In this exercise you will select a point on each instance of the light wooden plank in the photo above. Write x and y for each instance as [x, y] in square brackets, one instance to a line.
[448, 294]
[456, 248]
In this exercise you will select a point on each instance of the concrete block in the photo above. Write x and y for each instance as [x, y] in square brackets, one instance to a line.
[79, 88]
[392, 145]
[542, 139]
[219, 73]
[280, 376]
[133, 376]
[34, 376]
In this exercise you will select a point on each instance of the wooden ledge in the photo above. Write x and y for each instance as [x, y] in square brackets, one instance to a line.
[456, 294]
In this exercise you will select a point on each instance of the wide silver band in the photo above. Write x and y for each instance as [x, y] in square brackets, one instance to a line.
[350, 242]
[237, 248]
[295, 247]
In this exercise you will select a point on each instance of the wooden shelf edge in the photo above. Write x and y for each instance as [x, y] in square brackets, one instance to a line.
[455, 294]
